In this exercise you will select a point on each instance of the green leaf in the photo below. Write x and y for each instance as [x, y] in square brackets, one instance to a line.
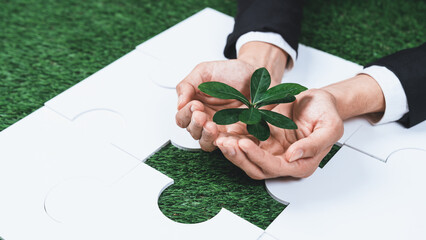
[222, 91]
[281, 91]
[259, 83]
[286, 99]
[250, 116]
[260, 130]
[227, 116]
[278, 120]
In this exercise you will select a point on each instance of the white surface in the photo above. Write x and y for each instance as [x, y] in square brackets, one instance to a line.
[39, 152]
[123, 106]
[381, 141]
[199, 38]
[355, 197]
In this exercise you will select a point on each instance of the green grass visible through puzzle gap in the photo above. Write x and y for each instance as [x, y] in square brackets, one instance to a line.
[206, 182]
[48, 46]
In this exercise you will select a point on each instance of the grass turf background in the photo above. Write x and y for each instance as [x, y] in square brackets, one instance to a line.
[47, 46]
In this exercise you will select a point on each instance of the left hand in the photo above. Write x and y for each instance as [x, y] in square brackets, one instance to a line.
[294, 153]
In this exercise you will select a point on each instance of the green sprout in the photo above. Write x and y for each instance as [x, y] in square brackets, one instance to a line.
[255, 118]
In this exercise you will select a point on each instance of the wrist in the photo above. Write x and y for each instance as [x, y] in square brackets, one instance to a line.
[357, 96]
[262, 54]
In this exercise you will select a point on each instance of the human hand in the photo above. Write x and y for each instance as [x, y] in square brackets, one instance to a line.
[196, 109]
[294, 153]
[319, 115]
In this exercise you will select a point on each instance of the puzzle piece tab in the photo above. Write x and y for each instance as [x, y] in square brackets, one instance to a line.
[355, 196]
[382, 140]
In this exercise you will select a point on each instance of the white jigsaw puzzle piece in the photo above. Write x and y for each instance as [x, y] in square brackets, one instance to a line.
[355, 196]
[37, 153]
[382, 140]
[144, 112]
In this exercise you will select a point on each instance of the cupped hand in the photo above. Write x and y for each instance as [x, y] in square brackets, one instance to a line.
[196, 109]
[294, 153]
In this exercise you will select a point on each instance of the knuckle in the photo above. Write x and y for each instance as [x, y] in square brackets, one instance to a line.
[305, 173]
[207, 147]
[255, 175]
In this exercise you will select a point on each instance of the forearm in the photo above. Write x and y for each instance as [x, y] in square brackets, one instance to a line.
[357, 96]
[261, 54]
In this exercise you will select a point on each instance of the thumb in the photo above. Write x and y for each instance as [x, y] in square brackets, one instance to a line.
[312, 145]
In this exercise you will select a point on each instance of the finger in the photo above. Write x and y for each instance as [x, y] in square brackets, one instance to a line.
[270, 165]
[305, 167]
[195, 127]
[186, 93]
[229, 147]
[311, 145]
[184, 115]
[208, 136]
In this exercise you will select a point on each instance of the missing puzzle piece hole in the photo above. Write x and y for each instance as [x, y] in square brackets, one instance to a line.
[77, 201]
[204, 183]
[104, 123]
[207, 182]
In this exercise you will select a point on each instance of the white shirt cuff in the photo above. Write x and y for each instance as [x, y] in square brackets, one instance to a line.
[395, 98]
[269, 37]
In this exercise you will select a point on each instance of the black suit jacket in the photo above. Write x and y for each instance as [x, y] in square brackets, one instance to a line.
[284, 17]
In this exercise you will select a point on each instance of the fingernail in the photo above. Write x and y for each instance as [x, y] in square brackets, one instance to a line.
[298, 154]
[192, 108]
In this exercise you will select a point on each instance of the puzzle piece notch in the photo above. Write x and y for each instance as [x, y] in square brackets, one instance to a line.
[382, 140]
[355, 191]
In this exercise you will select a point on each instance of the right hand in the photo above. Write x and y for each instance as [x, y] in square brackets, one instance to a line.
[196, 109]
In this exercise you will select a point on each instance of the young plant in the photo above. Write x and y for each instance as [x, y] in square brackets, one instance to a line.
[255, 118]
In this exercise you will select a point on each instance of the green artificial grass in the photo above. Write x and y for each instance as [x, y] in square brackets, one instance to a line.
[206, 182]
[47, 46]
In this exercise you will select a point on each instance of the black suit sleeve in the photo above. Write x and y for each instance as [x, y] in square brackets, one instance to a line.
[409, 66]
[280, 16]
